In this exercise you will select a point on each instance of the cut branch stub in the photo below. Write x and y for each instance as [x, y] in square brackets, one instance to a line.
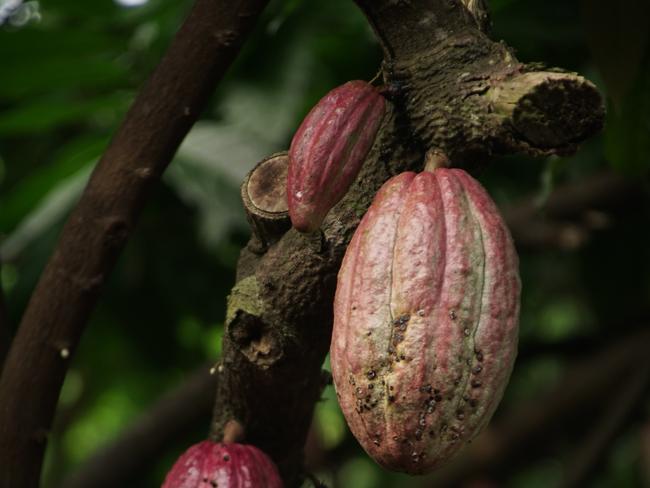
[457, 90]
[549, 109]
[264, 193]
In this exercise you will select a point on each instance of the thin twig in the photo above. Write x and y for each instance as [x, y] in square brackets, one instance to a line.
[560, 222]
[100, 224]
[134, 450]
[586, 461]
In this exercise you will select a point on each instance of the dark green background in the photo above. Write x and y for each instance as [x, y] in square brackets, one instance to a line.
[68, 71]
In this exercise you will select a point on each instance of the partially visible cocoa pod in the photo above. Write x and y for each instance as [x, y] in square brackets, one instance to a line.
[425, 319]
[328, 150]
[208, 464]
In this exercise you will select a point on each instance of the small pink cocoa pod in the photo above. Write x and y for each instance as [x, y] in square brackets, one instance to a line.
[425, 319]
[329, 149]
[208, 465]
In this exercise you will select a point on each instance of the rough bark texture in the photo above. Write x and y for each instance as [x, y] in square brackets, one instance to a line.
[442, 75]
[93, 236]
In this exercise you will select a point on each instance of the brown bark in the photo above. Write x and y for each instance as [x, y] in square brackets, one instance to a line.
[444, 78]
[100, 224]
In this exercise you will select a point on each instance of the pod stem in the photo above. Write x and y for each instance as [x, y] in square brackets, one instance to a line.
[233, 432]
[435, 159]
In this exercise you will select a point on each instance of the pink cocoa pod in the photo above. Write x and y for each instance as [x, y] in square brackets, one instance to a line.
[208, 464]
[425, 319]
[328, 151]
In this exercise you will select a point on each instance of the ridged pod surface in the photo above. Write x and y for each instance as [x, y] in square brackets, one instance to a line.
[208, 465]
[425, 319]
[328, 151]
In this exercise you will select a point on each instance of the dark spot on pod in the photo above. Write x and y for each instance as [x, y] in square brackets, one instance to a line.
[391, 398]
[351, 380]
[426, 389]
[466, 332]
[438, 397]
[214, 483]
[479, 355]
[402, 357]
[452, 314]
[371, 375]
[473, 402]
[369, 333]
[443, 428]
[376, 442]
[371, 386]
[416, 457]
[226, 457]
[432, 433]
[390, 387]
[460, 415]
[418, 434]
[205, 480]
[477, 369]
[476, 384]
[454, 436]
[395, 438]
[359, 391]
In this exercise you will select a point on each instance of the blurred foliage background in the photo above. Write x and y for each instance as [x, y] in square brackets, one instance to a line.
[68, 72]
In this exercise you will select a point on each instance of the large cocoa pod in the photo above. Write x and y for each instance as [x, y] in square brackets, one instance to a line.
[425, 319]
[328, 150]
[208, 464]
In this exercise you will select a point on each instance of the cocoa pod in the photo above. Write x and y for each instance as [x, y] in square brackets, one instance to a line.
[328, 151]
[425, 319]
[208, 464]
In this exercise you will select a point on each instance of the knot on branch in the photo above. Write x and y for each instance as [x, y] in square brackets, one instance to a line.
[252, 336]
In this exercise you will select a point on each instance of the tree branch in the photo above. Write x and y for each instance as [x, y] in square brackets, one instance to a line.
[95, 233]
[552, 224]
[444, 78]
[613, 420]
[134, 450]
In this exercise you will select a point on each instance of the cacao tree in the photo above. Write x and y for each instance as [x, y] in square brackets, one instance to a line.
[446, 86]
